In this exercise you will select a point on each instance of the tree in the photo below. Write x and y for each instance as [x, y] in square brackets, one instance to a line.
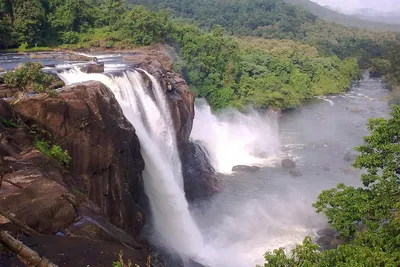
[144, 27]
[29, 21]
[368, 216]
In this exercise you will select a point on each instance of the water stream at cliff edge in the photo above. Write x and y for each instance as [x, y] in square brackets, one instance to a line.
[163, 180]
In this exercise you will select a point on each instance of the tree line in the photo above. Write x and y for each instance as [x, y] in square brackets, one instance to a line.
[275, 19]
[216, 66]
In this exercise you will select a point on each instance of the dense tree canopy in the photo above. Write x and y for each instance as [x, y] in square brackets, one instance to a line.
[227, 71]
[275, 19]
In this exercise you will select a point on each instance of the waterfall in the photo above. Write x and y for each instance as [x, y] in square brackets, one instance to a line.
[235, 138]
[163, 182]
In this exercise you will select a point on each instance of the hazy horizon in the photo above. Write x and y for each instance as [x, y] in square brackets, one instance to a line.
[352, 6]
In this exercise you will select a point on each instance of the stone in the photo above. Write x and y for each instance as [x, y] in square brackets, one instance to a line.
[288, 164]
[245, 168]
[75, 251]
[349, 156]
[327, 232]
[5, 110]
[295, 173]
[95, 227]
[329, 239]
[93, 68]
[40, 204]
[200, 178]
[329, 242]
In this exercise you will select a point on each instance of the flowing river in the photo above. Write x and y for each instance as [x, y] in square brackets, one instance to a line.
[271, 208]
[256, 211]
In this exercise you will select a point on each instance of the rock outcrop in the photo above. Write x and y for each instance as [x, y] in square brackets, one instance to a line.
[96, 197]
[200, 179]
[106, 164]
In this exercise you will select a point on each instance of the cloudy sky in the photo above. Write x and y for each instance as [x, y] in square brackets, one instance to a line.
[349, 6]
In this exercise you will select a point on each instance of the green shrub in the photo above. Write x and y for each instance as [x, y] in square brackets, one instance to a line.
[23, 47]
[8, 123]
[70, 37]
[379, 67]
[29, 78]
[53, 151]
[121, 263]
[109, 44]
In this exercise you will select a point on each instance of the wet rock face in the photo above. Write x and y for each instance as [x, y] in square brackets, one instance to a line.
[106, 162]
[179, 98]
[199, 176]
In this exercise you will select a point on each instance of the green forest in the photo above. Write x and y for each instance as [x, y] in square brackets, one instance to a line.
[214, 64]
[263, 53]
[276, 19]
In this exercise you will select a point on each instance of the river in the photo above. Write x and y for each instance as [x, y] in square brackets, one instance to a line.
[271, 208]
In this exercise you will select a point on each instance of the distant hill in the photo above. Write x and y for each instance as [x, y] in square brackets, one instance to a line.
[367, 22]
[385, 17]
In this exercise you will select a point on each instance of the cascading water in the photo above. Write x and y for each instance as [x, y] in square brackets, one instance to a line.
[233, 138]
[149, 113]
[162, 174]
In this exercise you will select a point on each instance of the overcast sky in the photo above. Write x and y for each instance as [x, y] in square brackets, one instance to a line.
[349, 6]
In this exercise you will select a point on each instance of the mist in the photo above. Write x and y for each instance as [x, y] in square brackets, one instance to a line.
[233, 138]
[353, 6]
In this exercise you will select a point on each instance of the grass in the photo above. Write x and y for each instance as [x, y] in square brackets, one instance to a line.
[53, 151]
[121, 263]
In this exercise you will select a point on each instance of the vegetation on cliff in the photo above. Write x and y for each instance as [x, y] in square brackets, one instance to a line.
[30, 78]
[366, 217]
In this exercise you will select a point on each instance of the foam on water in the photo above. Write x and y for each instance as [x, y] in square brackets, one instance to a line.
[234, 138]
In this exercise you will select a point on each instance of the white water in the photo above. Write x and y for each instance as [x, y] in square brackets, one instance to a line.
[233, 138]
[162, 175]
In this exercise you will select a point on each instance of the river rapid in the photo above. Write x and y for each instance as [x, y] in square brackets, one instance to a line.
[270, 208]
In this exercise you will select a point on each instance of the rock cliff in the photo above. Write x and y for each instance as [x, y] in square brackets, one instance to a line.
[98, 194]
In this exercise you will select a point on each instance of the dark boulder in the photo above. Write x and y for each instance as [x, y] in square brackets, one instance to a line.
[245, 168]
[93, 68]
[329, 242]
[295, 173]
[200, 179]
[349, 156]
[329, 239]
[288, 164]
[328, 232]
